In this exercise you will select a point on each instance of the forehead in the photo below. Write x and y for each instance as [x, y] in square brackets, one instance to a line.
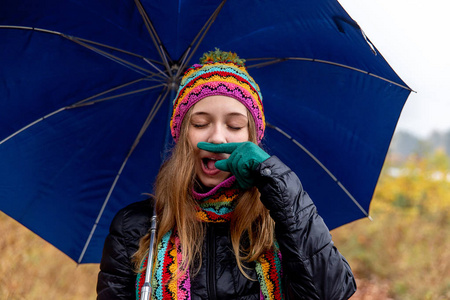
[219, 104]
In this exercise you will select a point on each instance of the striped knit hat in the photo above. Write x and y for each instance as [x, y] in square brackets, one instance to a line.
[219, 73]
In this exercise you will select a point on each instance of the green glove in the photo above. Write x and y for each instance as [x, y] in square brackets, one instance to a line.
[244, 158]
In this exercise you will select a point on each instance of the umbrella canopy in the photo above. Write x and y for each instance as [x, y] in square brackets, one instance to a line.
[86, 90]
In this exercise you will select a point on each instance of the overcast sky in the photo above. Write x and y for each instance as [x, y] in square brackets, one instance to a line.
[413, 36]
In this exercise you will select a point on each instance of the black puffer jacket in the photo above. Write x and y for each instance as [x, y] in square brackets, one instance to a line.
[312, 267]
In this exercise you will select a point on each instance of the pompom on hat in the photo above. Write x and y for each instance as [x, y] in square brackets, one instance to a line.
[219, 73]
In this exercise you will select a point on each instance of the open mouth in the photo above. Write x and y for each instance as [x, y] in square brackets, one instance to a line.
[208, 163]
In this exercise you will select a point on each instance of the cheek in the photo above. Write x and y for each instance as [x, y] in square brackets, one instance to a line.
[240, 136]
[194, 138]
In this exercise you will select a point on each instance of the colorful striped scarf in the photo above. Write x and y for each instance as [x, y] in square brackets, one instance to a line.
[216, 206]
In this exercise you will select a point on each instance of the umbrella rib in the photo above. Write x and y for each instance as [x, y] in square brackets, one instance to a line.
[111, 90]
[151, 115]
[372, 46]
[272, 60]
[110, 56]
[82, 103]
[119, 50]
[322, 166]
[154, 35]
[151, 62]
[117, 96]
[32, 124]
[159, 70]
[201, 35]
[30, 28]
[183, 62]
[83, 42]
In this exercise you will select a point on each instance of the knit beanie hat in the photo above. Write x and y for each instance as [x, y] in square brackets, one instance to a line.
[219, 73]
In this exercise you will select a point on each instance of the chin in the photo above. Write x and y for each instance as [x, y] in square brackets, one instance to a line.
[212, 181]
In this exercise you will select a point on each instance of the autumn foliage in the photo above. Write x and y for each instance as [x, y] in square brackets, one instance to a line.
[402, 254]
[404, 251]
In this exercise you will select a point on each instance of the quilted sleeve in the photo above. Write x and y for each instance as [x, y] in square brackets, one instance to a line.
[312, 266]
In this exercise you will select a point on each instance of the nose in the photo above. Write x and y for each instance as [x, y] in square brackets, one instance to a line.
[217, 135]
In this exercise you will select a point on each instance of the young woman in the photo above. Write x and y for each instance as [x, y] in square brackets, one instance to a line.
[233, 221]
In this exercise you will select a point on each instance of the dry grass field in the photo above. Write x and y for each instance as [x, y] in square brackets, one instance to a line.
[402, 254]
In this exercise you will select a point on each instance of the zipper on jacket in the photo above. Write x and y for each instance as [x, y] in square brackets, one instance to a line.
[211, 263]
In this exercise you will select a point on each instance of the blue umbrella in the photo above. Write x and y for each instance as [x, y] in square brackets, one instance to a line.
[86, 90]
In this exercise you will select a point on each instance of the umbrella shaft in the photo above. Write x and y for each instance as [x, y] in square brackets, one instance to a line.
[145, 293]
[147, 288]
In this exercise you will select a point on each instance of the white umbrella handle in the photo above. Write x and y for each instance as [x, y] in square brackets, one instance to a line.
[147, 287]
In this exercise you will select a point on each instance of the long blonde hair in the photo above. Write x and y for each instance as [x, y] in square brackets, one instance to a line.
[175, 208]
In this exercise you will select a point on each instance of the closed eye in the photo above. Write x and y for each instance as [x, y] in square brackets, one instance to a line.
[198, 125]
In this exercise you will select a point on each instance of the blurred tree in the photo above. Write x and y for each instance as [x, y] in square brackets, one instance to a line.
[405, 248]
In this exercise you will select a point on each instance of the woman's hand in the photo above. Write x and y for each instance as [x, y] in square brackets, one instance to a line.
[244, 159]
